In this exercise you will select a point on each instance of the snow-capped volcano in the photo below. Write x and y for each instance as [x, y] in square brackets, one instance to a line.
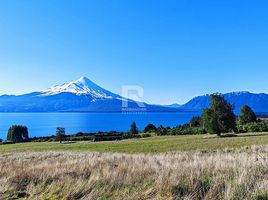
[81, 95]
[82, 86]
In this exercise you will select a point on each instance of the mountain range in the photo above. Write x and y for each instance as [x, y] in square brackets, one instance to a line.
[258, 102]
[83, 95]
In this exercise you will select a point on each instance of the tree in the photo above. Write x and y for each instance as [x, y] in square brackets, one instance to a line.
[150, 128]
[246, 115]
[161, 130]
[219, 117]
[195, 122]
[17, 133]
[60, 133]
[134, 129]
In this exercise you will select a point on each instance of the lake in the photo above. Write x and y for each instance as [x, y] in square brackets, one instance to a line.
[44, 124]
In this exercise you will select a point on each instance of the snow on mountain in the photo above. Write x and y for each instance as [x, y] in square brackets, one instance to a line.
[82, 86]
[81, 95]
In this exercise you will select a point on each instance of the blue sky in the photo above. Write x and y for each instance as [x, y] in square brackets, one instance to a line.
[173, 49]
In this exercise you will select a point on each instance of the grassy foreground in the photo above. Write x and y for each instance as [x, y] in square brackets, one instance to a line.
[148, 145]
[238, 174]
[203, 167]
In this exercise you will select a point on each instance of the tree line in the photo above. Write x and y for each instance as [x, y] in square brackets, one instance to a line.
[219, 118]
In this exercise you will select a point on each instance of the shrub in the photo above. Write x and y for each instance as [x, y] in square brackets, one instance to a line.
[161, 130]
[79, 134]
[263, 196]
[187, 130]
[150, 128]
[253, 127]
[145, 135]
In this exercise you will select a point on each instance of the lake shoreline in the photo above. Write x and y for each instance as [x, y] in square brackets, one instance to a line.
[45, 124]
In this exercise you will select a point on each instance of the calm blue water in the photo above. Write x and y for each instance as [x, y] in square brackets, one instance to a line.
[44, 124]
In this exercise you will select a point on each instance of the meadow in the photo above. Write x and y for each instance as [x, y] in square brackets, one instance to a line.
[157, 144]
[168, 167]
[228, 174]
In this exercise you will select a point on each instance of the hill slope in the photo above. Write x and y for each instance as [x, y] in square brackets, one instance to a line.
[81, 95]
[258, 102]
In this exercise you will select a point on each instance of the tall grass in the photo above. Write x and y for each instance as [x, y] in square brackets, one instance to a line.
[229, 174]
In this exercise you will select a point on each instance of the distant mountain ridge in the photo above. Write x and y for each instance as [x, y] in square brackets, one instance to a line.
[258, 102]
[81, 95]
[174, 105]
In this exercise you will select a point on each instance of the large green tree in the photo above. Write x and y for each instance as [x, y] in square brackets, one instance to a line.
[246, 115]
[219, 117]
[17, 133]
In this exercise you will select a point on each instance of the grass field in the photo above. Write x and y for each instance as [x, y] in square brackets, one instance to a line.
[227, 175]
[148, 145]
[168, 167]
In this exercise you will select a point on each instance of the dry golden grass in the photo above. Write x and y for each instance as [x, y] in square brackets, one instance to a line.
[228, 174]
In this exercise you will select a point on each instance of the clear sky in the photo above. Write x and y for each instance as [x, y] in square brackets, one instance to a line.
[173, 49]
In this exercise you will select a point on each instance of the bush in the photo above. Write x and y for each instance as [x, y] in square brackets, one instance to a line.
[144, 135]
[81, 138]
[187, 130]
[262, 196]
[150, 128]
[161, 130]
[79, 134]
[253, 127]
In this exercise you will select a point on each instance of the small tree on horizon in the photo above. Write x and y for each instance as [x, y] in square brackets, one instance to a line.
[134, 129]
[18, 133]
[161, 130]
[219, 117]
[150, 128]
[247, 115]
[60, 133]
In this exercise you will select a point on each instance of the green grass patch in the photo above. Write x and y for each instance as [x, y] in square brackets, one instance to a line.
[146, 145]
